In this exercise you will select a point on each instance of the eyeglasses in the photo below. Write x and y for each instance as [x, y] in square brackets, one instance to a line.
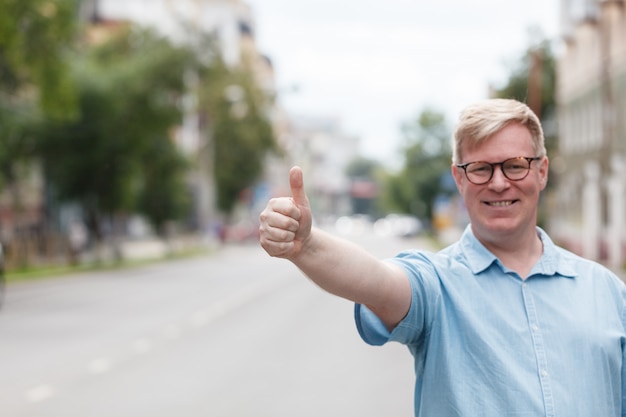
[514, 169]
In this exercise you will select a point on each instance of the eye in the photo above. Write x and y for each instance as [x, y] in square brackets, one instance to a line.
[479, 168]
[516, 165]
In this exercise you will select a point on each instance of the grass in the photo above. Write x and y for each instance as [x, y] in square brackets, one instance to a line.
[28, 273]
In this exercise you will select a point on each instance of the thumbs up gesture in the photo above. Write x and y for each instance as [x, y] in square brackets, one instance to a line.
[285, 223]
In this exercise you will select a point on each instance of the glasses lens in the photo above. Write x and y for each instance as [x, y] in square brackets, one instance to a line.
[479, 172]
[516, 168]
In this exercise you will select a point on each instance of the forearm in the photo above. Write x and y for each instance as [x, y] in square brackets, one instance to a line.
[336, 265]
[348, 271]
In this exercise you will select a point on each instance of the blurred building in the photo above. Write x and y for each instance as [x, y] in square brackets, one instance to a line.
[323, 150]
[591, 164]
[230, 21]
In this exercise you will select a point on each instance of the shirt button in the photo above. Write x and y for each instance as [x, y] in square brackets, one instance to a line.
[535, 328]
[544, 373]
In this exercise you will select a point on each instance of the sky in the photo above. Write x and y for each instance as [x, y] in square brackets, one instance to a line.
[374, 64]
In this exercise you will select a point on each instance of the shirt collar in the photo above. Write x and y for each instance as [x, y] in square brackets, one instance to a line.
[479, 258]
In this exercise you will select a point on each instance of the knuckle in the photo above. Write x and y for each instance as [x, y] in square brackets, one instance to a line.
[286, 236]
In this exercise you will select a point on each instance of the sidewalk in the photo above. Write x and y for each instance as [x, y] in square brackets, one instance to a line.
[148, 248]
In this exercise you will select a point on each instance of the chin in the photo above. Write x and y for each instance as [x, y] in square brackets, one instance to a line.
[497, 228]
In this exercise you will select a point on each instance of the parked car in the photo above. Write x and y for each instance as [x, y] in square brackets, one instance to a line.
[353, 225]
[399, 225]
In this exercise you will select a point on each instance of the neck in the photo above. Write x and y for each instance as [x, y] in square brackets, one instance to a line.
[519, 253]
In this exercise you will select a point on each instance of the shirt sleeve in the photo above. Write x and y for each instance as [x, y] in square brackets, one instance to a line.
[371, 328]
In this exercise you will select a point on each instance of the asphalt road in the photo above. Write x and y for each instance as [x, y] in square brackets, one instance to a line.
[232, 334]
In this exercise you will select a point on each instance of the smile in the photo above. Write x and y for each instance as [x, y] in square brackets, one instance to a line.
[505, 203]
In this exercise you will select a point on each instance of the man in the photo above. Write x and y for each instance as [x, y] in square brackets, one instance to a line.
[501, 323]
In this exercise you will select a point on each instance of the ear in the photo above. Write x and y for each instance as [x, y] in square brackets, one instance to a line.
[458, 175]
[544, 168]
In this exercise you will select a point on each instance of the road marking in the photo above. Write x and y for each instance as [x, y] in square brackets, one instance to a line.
[172, 332]
[100, 365]
[200, 318]
[39, 393]
[223, 307]
[141, 346]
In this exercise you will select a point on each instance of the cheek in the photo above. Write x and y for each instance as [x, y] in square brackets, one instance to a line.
[539, 184]
[469, 194]
[532, 192]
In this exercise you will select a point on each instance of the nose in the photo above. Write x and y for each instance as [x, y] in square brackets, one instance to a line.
[498, 180]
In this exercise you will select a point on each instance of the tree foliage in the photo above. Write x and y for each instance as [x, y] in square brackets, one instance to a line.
[116, 156]
[427, 157]
[36, 37]
[100, 117]
[239, 130]
[164, 196]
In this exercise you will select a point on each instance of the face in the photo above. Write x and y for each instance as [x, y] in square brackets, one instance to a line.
[501, 209]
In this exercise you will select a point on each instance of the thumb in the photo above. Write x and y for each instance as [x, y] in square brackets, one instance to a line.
[296, 183]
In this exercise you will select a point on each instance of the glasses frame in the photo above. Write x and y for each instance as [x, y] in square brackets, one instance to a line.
[501, 164]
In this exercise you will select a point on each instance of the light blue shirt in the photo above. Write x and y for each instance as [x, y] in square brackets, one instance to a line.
[488, 344]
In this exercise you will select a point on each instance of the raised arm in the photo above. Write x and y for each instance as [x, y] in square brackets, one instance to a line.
[336, 265]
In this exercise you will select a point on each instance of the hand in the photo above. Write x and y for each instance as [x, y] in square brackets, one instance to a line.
[285, 223]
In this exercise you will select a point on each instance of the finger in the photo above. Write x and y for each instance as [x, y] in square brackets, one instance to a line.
[278, 227]
[281, 212]
[296, 182]
[277, 249]
[278, 235]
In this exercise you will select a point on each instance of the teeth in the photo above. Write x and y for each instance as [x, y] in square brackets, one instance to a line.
[501, 203]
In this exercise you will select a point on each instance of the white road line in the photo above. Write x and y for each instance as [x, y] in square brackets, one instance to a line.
[172, 332]
[99, 366]
[39, 393]
[221, 308]
[141, 346]
[199, 318]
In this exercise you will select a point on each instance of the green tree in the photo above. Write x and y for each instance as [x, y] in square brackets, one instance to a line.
[109, 158]
[427, 157]
[238, 127]
[164, 196]
[36, 37]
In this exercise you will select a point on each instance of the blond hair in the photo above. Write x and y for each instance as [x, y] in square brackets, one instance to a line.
[482, 120]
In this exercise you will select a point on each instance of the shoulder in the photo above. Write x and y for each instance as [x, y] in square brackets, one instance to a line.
[591, 276]
[571, 264]
[582, 266]
[430, 268]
